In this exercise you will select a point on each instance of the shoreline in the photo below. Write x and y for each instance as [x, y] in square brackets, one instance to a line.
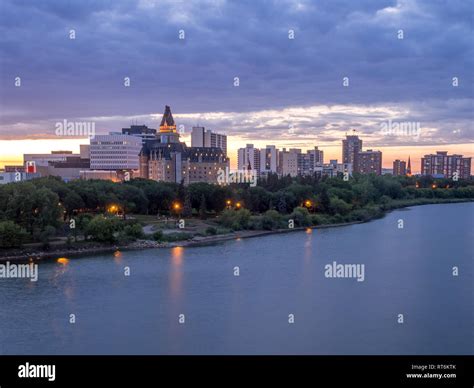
[194, 242]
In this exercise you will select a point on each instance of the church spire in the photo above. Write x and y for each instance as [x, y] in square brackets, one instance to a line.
[409, 166]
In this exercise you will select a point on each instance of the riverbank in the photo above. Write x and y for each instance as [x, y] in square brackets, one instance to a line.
[21, 255]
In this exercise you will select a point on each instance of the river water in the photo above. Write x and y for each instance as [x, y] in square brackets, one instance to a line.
[281, 279]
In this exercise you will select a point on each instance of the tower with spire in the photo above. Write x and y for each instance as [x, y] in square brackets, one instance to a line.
[168, 133]
[409, 166]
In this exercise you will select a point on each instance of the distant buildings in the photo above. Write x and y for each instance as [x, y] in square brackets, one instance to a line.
[309, 162]
[399, 167]
[42, 160]
[63, 164]
[16, 176]
[288, 162]
[364, 162]
[268, 160]
[248, 158]
[167, 159]
[115, 152]
[351, 146]
[144, 152]
[141, 131]
[442, 165]
[369, 162]
[202, 138]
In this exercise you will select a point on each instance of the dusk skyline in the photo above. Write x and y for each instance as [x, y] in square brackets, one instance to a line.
[290, 91]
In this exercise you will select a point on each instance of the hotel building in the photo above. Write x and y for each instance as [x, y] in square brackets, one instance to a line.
[167, 159]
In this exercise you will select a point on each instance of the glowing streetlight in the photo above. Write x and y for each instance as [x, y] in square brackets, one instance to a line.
[308, 203]
[433, 186]
[176, 207]
[238, 205]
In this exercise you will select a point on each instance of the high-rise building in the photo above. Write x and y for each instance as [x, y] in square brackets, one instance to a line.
[443, 165]
[248, 158]
[351, 146]
[289, 162]
[308, 162]
[268, 159]
[202, 138]
[198, 135]
[141, 131]
[369, 162]
[399, 167]
[115, 152]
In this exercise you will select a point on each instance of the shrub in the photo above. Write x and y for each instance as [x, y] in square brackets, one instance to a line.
[158, 235]
[235, 219]
[319, 219]
[11, 235]
[338, 206]
[301, 216]
[271, 220]
[102, 229]
[133, 231]
[210, 230]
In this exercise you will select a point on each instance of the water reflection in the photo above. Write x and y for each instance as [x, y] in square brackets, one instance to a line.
[176, 276]
[118, 257]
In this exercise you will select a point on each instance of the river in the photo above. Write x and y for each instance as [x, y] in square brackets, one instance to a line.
[282, 279]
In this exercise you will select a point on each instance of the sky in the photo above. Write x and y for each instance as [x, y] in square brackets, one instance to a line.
[263, 72]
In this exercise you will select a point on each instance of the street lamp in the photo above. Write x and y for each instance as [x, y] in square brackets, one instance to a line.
[176, 207]
[238, 205]
[113, 209]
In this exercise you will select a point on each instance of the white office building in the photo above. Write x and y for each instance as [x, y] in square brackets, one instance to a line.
[248, 158]
[115, 152]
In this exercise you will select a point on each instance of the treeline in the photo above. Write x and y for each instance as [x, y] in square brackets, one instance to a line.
[42, 208]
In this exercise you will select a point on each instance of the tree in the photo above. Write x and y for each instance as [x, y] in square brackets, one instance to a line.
[301, 216]
[11, 235]
[323, 202]
[187, 208]
[271, 220]
[202, 207]
[72, 202]
[281, 206]
[102, 229]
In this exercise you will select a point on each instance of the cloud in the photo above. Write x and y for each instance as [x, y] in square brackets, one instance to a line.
[409, 78]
